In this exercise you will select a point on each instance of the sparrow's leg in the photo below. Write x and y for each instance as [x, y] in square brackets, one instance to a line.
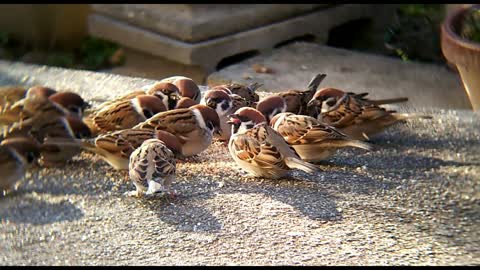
[153, 187]
[138, 192]
[133, 193]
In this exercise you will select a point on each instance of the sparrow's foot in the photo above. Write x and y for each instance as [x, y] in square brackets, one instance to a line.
[134, 193]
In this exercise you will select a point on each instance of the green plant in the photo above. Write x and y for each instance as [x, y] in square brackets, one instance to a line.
[61, 59]
[470, 28]
[4, 38]
[414, 34]
[96, 53]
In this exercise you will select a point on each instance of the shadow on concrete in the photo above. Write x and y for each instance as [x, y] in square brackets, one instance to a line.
[37, 212]
[185, 212]
[297, 190]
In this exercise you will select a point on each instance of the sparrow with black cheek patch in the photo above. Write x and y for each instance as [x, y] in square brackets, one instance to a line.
[245, 91]
[259, 149]
[12, 110]
[357, 119]
[70, 101]
[194, 127]
[152, 166]
[53, 154]
[38, 111]
[167, 92]
[296, 100]
[186, 86]
[224, 104]
[124, 114]
[223, 88]
[185, 102]
[312, 140]
[16, 155]
[271, 106]
[328, 97]
[115, 147]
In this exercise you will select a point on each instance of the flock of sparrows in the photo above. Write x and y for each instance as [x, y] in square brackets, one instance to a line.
[145, 131]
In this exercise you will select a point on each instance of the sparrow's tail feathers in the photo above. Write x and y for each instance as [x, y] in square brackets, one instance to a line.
[360, 144]
[301, 165]
[315, 82]
[389, 101]
[405, 116]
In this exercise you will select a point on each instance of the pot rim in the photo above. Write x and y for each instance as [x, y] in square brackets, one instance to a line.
[447, 28]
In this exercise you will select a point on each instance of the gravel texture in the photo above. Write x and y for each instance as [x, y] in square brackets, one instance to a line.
[413, 201]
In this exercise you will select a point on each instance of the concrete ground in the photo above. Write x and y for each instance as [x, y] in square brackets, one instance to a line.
[414, 201]
[426, 85]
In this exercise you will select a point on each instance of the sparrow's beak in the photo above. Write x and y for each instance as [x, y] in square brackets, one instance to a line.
[86, 105]
[233, 119]
[217, 131]
[313, 102]
[19, 103]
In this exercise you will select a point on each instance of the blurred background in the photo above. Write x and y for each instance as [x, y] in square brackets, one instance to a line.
[116, 38]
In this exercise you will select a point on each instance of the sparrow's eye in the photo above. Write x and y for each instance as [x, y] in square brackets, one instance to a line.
[331, 102]
[147, 113]
[82, 135]
[30, 157]
[210, 125]
[74, 109]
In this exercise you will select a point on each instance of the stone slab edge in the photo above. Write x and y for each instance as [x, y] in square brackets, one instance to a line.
[195, 23]
[209, 53]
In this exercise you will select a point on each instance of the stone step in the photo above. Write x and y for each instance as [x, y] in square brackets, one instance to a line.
[208, 53]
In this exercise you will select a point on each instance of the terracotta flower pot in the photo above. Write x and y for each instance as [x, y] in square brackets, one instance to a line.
[464, 53]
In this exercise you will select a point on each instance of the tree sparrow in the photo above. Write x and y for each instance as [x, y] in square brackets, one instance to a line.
[152, 166]
[37, 111]
[70, 129]
[296, 100]
[186, 86]
[331, 95]
[115, 147]
[311, 139]
[245, 91]
[16, 155]
[124, 114]
[271, 106]
[358, 119]
[224, 104]
[194, 126]
[73, 102]
[259, 149]
[167, 92]
[185, 102]
[14, 99]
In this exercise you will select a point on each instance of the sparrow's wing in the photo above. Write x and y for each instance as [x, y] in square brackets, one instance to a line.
[300, 129]
[116, 116]
[164, 161]
[250, 148]
[114, 144]
[238, 102]
[179, 122]
[125, 97]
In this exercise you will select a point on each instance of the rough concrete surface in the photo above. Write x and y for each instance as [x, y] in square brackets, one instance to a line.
[426, 85]
[414, 201]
